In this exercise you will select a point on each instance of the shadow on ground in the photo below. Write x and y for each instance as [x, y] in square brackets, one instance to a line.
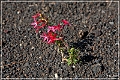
[82, 45]
[83, 42]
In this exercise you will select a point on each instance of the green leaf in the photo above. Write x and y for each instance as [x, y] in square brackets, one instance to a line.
[75, 61]
[68, 51]
[72, 56]
[72, 50]
[69, 61]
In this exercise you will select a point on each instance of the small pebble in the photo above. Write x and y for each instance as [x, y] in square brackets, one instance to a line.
[116, 43]
[96, 68]
[37, 64]
[20, 45]
[111, 23]
[40, 57]
[56, 75]
[80, 33]
[103, 11]
[18, 12]
[73, 66]
[26, 64]
[33, 47]
[85, 26]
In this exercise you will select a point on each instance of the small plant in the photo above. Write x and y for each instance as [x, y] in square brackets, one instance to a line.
[72, 56]
[53, 36]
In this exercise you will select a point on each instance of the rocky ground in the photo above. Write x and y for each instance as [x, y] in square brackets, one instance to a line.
[24, 55]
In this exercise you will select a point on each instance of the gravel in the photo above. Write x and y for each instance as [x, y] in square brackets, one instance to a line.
[24, 55]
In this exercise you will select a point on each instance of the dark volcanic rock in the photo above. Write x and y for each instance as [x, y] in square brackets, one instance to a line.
[25, 55]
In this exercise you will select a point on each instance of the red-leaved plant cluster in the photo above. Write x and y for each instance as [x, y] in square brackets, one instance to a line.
[51, 35]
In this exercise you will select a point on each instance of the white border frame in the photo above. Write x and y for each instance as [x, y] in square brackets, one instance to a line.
[61, 78]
